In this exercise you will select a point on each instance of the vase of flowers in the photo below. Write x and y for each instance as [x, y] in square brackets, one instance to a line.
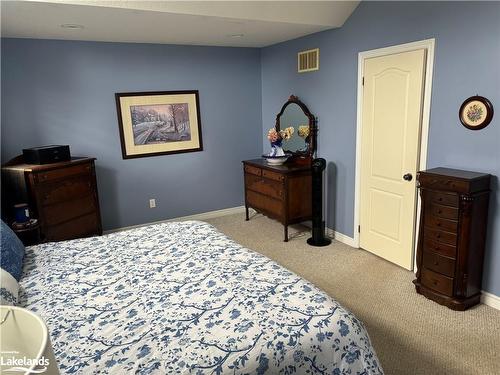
[277, 155]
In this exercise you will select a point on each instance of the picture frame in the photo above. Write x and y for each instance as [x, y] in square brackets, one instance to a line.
[476, 112]
[153, 123]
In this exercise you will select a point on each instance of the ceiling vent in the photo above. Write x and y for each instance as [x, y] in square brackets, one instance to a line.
[308, 61]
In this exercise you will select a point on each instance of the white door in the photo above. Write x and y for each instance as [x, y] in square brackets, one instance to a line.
[390, 145]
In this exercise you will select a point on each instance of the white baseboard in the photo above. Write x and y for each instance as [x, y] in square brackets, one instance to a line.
[335, 235]
[341, 237]
[490, 300]
[200, 216]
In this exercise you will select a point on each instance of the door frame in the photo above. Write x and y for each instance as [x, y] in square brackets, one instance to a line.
[428, 45]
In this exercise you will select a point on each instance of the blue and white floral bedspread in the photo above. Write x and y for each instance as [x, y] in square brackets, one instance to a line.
[181, 298]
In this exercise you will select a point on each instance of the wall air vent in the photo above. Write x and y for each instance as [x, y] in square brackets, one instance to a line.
[308, 61]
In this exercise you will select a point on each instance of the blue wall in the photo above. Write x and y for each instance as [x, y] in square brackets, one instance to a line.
[63, 92]
[467, 59]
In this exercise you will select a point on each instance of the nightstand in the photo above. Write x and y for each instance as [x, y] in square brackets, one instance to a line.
[28, 234]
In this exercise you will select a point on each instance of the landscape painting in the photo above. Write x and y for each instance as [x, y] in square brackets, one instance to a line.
[158, 123]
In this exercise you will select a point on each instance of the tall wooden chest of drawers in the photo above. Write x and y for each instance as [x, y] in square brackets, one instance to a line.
[452, 236]
[281, 192]
[62, 196]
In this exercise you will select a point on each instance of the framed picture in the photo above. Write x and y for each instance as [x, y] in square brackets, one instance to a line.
[476, 112]
[158, 123]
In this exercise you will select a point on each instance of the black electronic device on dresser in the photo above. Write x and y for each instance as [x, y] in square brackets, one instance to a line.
[46, 154]
[452, 236]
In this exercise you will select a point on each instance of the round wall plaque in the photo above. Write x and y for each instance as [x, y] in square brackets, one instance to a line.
[476, 112]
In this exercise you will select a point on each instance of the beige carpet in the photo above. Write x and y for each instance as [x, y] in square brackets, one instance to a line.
[411, 334]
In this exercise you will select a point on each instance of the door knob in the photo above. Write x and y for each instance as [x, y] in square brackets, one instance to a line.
[408, 177]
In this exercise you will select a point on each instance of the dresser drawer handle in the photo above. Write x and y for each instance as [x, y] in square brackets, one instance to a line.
[438, 235]
[438, 224]
[440, 199]
[436, 263]
[435, 282]
[440, 212]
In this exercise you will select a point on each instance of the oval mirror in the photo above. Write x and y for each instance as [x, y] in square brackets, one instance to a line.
[296, 115]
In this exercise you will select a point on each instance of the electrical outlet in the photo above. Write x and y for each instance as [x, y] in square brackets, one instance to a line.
[152, 203]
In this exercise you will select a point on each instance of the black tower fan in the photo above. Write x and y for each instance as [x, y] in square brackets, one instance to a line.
[318, 225]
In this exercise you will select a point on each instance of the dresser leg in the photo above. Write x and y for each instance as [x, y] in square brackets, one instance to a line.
[246, 213]
[286, 233]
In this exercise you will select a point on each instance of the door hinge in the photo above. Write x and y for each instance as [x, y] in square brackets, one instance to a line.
[359, 228]
[363, 81]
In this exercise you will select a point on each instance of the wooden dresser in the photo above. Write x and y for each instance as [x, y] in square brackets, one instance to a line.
[281, 192]
[452, 236]
[62, 196]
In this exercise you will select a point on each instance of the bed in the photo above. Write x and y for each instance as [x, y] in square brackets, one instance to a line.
[182, 298]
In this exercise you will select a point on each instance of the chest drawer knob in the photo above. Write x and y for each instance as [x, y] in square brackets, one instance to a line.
[436, 263]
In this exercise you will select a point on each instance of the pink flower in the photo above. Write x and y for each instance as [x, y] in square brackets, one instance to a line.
[273, 135]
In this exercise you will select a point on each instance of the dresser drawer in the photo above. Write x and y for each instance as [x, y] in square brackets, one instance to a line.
[265, 203]
[445, 212]
[63, 172]
[445, 199]
[439, 263]
[265, 186]
[443, 183]
[273, 175]
[253, 170]
[83, 226]
[441, 224]
[440, 236]
[437, 282]
[65, 190]
[440, 248]
[61, 212]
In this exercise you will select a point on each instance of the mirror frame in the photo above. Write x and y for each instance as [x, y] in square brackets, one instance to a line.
[313, 128]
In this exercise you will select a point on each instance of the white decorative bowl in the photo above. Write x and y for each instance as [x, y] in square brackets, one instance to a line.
[276, 160]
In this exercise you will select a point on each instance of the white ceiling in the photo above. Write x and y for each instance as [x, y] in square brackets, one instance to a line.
[214, 23]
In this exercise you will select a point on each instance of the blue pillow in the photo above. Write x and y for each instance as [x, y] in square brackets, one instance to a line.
[11, 252]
